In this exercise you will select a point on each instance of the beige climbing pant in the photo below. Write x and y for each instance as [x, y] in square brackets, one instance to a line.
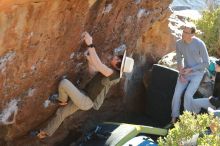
[78, 101]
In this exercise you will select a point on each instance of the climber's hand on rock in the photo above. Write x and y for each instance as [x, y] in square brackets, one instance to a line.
[87, 38]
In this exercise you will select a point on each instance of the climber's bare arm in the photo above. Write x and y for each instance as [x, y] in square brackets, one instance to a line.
[93, 57]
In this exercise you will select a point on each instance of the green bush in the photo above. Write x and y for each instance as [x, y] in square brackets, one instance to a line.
[210, 27]
[189, 125]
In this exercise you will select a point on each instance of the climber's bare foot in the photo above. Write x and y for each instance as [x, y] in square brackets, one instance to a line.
[42, 135]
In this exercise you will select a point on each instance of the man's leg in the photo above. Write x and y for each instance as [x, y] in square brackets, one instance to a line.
[67, 89]
[61, 114]
[180, 87]
[190, 91]
[79, 101]
[201, 103]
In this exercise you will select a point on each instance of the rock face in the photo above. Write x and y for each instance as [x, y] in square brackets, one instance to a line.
[40, 42]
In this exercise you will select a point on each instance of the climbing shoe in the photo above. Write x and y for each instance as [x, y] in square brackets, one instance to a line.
[39, 134]
[54, 99]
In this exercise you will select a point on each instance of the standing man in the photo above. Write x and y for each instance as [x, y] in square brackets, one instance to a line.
[192, 59]
[95, 91]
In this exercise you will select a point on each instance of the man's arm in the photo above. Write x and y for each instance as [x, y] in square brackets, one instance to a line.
[179, 59]
[94, 59]
[180, 64]
[205, 58]
[96, 62]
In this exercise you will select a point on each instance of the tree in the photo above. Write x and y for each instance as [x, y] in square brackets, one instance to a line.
[210, 27]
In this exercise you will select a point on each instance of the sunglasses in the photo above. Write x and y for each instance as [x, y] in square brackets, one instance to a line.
[187, 32]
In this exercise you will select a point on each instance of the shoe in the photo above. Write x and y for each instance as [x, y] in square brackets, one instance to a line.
[39, 134]
[216, 113]
[54, 99]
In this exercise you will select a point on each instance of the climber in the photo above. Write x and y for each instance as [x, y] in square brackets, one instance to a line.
[94, 92]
